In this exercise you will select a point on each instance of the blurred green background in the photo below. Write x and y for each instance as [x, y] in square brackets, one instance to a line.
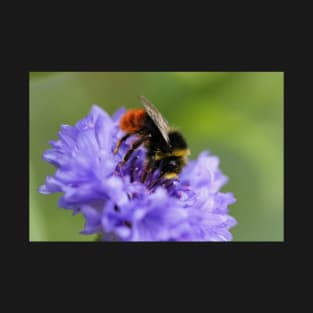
[237, 116]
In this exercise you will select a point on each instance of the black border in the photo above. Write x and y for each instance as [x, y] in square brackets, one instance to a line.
[214, 42]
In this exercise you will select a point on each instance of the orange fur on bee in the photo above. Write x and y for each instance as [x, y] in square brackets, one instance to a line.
[132, 120]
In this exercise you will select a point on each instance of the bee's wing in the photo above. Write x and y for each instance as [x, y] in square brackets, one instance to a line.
[159, 121]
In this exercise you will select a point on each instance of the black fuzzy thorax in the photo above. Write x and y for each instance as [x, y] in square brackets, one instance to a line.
[158, 143]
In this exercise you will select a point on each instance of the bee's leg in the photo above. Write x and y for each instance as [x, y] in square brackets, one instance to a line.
[148, 169]
[135, 145]
[161, 176]
[120, 142]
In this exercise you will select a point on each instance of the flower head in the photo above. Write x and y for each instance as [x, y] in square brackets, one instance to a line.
[117, 205]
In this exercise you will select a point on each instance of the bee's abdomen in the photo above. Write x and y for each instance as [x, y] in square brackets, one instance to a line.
[133, 120]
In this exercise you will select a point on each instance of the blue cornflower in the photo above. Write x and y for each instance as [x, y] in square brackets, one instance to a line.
[116, 205]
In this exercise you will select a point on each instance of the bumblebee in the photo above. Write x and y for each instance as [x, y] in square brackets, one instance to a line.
[167, 149]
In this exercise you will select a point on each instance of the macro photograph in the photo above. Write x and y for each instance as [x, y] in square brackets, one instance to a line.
[156, 156]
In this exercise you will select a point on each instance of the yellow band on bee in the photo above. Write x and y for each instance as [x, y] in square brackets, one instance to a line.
[170, 176]
[175, 153]
[180, 152]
